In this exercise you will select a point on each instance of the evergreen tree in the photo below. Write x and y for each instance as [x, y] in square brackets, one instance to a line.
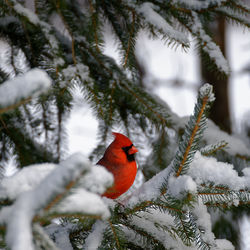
[194, 170]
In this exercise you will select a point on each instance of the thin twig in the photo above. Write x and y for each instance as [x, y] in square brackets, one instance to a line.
[69, 30]
[130, 38]
[95, 26]
[59, 196]
[16, 105]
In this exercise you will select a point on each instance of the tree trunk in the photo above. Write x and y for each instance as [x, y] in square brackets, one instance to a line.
[220, 112]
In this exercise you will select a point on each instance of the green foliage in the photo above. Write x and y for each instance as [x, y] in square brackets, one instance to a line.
[189, 143]
[116, 97]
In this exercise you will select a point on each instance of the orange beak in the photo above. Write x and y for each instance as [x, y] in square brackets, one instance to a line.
[132, 150]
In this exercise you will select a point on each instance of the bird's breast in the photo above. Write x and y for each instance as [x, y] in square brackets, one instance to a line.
[124, 176]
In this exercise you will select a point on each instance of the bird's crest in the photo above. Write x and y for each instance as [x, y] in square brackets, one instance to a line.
[122, 139]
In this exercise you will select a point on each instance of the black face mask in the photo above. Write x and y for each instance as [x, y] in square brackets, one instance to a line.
[130, 157]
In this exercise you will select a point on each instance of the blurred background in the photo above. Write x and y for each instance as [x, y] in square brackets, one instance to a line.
[175, 76]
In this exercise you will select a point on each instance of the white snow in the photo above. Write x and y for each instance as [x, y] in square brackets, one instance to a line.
[46, 28]
[235, 14]
[203, 221]
[75, 71]
[42, 238]
[12, 60]
[208, 169]
[209, 46]
[152, 221]
[207, 90]
[26, 12]
[25, 179]
[95, 237]
[179, 186]
[31, 84]
[245, 232]
[84, 202]
[97, 180]
[18, 216]
[60, 235]
[213, 134]
[150, 189]
[151, 16]
[198, 5]
[224, 244]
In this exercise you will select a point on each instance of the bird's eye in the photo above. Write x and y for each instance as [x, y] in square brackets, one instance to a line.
[130, 156]
[126, 149]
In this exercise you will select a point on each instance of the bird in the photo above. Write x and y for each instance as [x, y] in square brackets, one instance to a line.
[119, 159]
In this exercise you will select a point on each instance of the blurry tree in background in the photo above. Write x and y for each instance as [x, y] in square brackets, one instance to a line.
[192, 157]
[220, 112]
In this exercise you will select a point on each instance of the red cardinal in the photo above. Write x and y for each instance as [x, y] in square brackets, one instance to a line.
[119, 159]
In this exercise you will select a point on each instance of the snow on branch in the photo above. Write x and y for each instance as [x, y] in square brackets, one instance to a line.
[46, 28]
[147, 10]
[208, 45]
[42, 239]
[235, 146]
[235, 16]
[52, 189]
[82, 202]
[199, 5]
[72, 72]
[24, 180]
[209, 170]
[212, 148]
[95, 237]
[16, 91]
[215, 137]
[184, 156]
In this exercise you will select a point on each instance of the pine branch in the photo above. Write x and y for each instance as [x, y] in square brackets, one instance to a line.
[193, 131]
[25, 207]
[44, 29]
[42, 239]
[185, 228]
[143, 206]
[14, 106]
[154, 20]
[223, 195]
[192, 137]
[94, 16]
[77, 58]
[21, 89]
[45, 220]
[29, 152]
[148, 238]
[58, 9]
[125, 27]
[211, 149]
[199, 233]
[129, 39]
[114, 234]
[59, 197]
[239, 18]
